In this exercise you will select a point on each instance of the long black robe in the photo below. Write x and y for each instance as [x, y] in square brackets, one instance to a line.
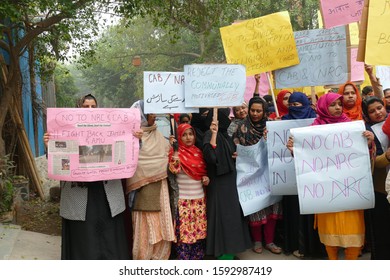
[227, 229]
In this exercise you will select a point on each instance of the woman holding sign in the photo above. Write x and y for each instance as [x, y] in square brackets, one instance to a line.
[227, 230]
[300, 238]
[378, 218]
[93, 214]
[344, 229]
[249, 132]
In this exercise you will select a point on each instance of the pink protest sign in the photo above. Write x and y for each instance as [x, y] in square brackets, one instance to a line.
[337, 13]
[250, 86]
[92, 144]
[357, 67]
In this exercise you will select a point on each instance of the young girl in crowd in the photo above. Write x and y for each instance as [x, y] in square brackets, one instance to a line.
[189, 168]
[249, 132]
[343, 229]
[227, 231]
[239, 113]
[153, 230]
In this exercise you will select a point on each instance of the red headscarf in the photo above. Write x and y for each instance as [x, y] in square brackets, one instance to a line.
[191, 157]
[323, 116]
[355, 113]
[282, 109]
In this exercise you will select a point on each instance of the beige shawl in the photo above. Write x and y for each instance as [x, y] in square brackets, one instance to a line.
[152, 160]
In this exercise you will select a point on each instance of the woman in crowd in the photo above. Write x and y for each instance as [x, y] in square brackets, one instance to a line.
[187, 165]
[352, 101]
[343, 229]
[378, 218]
[299, 107]
[198, 123]
[281, 104]
[299, 236]
[184, 118]
[249, 132]
[92, 214]
[227, 231]
[153, 230]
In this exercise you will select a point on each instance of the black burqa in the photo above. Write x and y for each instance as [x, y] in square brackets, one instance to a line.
[227, 230]
[198, 122]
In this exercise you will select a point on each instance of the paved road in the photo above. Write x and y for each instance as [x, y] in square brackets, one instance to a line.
[17, 244]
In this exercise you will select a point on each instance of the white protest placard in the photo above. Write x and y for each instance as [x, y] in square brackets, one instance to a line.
[214, 85]
[382, 137]
[383, 73]
[92, 144]
[333, 168]
[280, 161]
[252, 178]
[323, 59]
[164, 93]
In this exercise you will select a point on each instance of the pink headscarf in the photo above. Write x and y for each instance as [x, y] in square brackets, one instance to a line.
[323, 116]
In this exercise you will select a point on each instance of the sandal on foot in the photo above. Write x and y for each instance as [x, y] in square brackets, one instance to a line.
[298, 255]
[258, 248]
[273, 248]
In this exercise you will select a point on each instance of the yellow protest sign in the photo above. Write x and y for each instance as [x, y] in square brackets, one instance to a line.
[261, 44]
[378, 33]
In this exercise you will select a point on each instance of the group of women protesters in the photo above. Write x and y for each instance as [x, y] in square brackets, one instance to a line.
[183, 203]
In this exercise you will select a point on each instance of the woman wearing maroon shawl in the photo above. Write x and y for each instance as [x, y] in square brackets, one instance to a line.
[189, 167]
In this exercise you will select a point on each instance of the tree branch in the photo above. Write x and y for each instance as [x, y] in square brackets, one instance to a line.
[45, 24]
[161, 53]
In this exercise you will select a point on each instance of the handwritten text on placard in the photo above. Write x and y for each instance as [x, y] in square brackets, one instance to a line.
[261, 44]
[333, 168]
[92, 144]
[214, 85]
[337, 13]
[323, 59]
[280, 162]
[252, 178]
[378, 33]
[164, 93]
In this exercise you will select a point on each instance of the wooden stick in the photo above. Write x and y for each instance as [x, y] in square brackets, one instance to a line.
[172, 119]
[272, 94]
[215, 114]
[30, 160]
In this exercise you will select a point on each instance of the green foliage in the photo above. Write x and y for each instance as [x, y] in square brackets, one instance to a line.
[7, 167]
[66, 91]
[111, 74]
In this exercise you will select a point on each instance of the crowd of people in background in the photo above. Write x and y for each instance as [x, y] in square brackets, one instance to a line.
[183, 203]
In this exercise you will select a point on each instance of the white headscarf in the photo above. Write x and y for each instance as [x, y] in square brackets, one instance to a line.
[140, 106]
